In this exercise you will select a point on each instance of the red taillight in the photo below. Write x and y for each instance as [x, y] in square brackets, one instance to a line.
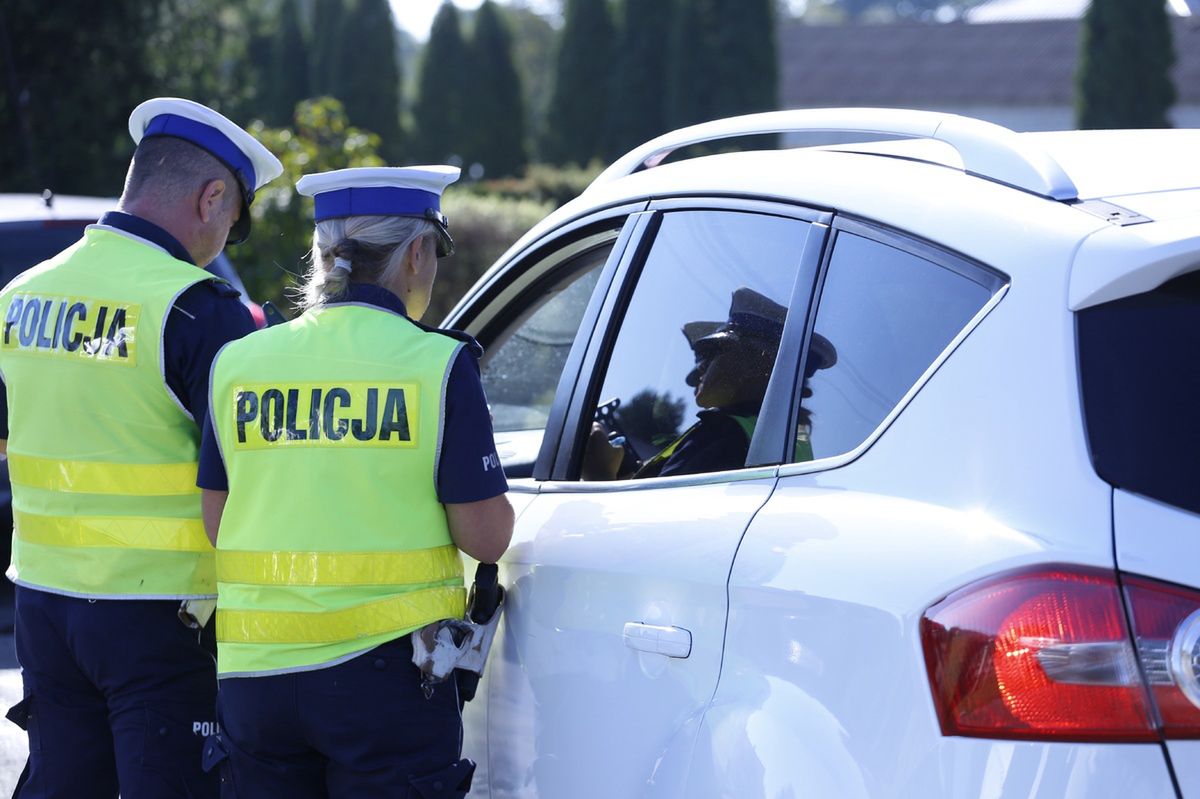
[1045, 653]
[1166, 624]
[1042, 653]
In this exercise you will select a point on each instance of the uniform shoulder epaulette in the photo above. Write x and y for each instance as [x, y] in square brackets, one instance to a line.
[474, 346]
[223, 287]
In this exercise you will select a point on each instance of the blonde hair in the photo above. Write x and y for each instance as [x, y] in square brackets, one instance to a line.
[369, 249]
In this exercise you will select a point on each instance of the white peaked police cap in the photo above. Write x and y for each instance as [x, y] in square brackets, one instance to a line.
[250, 162]
[414, 191]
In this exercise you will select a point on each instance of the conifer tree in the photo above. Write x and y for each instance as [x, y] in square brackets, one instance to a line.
[638, 109]
[439, 114]
[288, 70]
[368, 72]
[325, 45]
[496, 104]
[690, 77]
[1124, 75]
[746, 74]
[724, 60]
[575, 124]
[71, 77]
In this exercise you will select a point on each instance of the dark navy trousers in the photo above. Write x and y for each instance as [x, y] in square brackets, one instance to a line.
[357, 730]
[119, 697]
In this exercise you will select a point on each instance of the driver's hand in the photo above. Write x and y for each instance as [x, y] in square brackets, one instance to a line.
[601, 458]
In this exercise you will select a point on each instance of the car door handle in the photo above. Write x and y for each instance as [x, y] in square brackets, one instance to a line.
[674, 642]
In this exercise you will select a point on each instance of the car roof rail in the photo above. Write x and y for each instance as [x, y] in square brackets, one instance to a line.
[987, 150]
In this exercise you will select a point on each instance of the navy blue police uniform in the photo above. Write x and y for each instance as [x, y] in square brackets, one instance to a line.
[113, 706]
[715, 443]
[366, 716]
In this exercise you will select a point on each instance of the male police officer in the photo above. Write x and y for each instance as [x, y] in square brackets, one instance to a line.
[105, 354]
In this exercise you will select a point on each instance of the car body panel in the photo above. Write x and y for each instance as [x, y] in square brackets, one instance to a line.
[819, 656]
[777, 741]
[996, 429]
[475, 713]
[874, 188]
[573, 710]
[1119, 261]
[1185, 758]
[1107, 163]
[1161, 206]
[24, 207]
[1156, 540]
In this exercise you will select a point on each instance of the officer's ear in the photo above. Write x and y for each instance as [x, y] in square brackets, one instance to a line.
[417, 252]
[211, 200]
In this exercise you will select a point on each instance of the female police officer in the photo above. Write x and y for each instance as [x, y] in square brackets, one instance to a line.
[359, 459]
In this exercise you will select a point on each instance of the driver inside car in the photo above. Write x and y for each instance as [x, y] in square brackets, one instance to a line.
[733, 362]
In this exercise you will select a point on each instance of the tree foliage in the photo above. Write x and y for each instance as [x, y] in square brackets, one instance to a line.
[440, 116]
[64, 118]
[484, 227]
[638, 108]
[496, 104]
[579, 103]
[320, 138]
[723, 60]
[325, 46]
[743, 63]
[367, 79]
[201, 49]
[534, 41]
[288, 79]
[72, 71]
[689, 78]
[654, 419]
[1124, 76]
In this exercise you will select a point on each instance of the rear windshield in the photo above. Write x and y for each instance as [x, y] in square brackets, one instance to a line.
[1140, 366]
[26, 244]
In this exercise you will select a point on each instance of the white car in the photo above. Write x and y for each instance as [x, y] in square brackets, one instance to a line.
[957, 550]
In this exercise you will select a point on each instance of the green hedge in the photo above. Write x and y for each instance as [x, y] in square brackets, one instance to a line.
[483, 228]
[544, 183]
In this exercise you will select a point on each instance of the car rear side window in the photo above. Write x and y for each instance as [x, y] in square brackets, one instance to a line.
[1141, 391]
[883, 318]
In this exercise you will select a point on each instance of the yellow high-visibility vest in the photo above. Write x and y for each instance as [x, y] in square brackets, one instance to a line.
[333, 539]
[101, 455]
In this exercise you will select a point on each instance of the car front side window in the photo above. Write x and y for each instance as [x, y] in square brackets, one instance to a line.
[689, 367]
[525, 354]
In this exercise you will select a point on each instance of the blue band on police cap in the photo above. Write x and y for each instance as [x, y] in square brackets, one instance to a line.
[208, 138]
[374, 201]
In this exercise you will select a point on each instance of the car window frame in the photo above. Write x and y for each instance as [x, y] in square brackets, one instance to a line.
[564, 473]
[521, 276]
[976, 271]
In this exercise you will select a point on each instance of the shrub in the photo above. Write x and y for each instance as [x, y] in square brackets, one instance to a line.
[544, 183]
[483, 226]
